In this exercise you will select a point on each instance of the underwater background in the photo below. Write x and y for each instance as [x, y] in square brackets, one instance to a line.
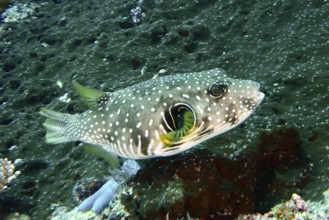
[283, 148]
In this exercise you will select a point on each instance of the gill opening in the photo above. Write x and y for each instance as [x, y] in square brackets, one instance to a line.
[179, 121]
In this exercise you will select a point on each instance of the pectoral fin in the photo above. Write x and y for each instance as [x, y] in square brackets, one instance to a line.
[111, 158]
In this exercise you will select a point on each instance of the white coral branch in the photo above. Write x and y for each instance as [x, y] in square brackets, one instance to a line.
[7, 173]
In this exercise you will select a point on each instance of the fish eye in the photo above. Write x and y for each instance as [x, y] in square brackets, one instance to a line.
[218, 90]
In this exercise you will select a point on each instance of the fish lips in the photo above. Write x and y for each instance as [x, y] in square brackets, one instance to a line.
[258, 95]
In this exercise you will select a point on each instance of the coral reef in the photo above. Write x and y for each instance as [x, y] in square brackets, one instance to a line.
[63, 213]
[7, 173]
[17, 216]
[101, 198]
[203, 185]
[206, 185]
[85, 187]
[295, 209]
[136, 13]
[114, 210]
[18, 12]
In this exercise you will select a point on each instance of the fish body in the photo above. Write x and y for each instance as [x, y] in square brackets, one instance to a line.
[159, 117]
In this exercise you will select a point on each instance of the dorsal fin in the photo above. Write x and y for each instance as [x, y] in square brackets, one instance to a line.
[91, 97]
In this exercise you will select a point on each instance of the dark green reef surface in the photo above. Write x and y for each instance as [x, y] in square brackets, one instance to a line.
[283, 45]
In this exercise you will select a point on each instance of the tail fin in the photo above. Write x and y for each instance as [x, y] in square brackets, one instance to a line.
[60, 127]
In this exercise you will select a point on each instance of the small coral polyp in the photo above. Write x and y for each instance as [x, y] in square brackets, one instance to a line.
[7, 173]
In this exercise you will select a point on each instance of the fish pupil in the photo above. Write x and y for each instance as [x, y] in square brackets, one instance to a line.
[218, 90]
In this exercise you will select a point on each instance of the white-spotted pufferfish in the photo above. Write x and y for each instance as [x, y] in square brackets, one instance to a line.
[159, 117]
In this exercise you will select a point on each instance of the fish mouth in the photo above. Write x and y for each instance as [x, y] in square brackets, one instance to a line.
[259, 97]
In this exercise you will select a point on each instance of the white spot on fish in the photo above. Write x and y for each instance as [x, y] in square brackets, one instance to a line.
[185, 96]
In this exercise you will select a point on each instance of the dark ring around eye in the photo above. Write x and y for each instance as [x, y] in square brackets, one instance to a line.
[218, 90]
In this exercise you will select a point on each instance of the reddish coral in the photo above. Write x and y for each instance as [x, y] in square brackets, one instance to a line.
[280, 149]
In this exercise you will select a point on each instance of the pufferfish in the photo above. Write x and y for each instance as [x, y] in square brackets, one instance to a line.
[160, 117]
